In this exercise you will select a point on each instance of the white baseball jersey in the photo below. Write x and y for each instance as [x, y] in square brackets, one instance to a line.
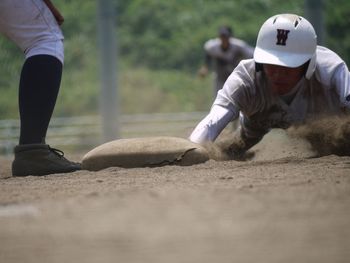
[246, 93]
[226, 60]
[31, 25]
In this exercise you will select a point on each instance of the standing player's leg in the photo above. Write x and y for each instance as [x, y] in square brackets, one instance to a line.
[38, 89]
[31, 25]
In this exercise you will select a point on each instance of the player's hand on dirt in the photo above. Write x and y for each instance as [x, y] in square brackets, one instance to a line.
[237, 156]
[235, 152]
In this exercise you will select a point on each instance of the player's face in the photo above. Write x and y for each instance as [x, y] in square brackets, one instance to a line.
[225, 42]
[283, 79]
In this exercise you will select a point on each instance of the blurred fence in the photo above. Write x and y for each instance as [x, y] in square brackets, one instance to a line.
[84, 132]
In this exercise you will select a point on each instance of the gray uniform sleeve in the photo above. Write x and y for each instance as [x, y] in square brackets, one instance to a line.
[341, 81]
[239, 90]
[332, 71]
[212, 125]
[231, 99]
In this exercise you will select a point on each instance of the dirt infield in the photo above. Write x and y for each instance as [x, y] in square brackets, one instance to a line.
[281, 206]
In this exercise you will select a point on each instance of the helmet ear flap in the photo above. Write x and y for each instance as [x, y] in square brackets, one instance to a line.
[311, 68]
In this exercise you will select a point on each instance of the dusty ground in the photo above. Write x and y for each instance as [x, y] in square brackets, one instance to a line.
[281, 206]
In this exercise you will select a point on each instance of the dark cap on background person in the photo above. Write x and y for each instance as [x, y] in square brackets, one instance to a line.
[225, 31]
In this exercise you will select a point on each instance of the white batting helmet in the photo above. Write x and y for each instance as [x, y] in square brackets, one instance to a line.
[287, 40]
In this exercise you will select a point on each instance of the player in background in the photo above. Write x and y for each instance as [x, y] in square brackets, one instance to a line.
[223, 54]
[33, 25]
[289, 79]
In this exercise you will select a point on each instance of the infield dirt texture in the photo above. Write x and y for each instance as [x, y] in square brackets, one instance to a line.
[283, 205]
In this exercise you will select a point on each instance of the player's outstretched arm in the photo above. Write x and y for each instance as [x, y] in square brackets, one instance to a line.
[212, 125]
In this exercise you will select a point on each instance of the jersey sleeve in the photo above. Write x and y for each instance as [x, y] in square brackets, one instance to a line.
[212, 125]
[239, 91]
[210, 48]
[234, 97]
[333, 73]
[341, 80]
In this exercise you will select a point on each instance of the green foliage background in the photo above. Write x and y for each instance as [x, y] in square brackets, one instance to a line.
[159, 51]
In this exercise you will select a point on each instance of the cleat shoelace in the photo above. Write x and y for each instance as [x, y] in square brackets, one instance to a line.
[59, 153]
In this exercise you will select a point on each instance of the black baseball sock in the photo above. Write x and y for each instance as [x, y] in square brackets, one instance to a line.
[38, 89]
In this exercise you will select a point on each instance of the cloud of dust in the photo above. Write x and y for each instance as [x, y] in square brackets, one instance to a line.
[327, 135]
[215, 151]
[318, 137]
[218, 150]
